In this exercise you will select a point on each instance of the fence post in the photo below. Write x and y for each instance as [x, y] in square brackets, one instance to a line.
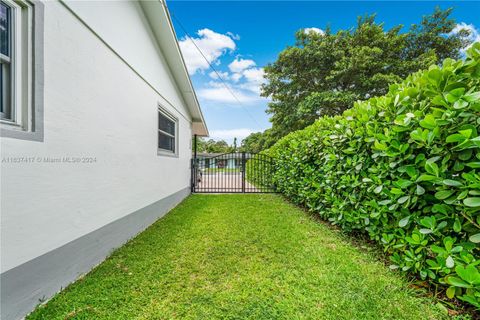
[243, 172]
[192, 180]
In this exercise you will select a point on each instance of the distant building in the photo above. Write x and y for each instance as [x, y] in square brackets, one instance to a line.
[219, 160]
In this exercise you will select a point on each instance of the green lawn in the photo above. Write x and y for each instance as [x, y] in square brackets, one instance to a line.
[239, 257]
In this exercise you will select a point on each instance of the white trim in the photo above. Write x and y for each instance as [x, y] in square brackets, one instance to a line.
[158, 18]
[9, 77]
[185, 75]
[21, 67]
[32, 128]
[4, 58]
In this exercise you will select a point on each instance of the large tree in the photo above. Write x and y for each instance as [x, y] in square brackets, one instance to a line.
[213, 146]
[325, 73]
[257, 142]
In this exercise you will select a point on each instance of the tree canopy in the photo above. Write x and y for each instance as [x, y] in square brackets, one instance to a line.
[325, 73]
[257, 142]
[213, 146]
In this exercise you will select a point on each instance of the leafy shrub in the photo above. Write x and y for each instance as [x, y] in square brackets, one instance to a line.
[405, 169]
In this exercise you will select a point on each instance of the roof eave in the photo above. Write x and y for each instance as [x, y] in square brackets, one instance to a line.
[159, 20]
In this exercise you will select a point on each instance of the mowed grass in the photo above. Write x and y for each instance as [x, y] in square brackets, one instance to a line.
[239, 257]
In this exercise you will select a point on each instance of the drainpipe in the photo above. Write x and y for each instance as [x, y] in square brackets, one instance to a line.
[195, 147]
[194, 164]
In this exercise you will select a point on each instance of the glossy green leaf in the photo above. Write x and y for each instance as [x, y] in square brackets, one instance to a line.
[420, 190]
[456, 137]
[450, 263]
[378, 189]
[402, 223]
[452, 183]
[450, 292]
[443, 194]
[457, 282]
[475, 238]
[472, 202]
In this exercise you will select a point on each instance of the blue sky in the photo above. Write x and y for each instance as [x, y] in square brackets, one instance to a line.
[240, 37]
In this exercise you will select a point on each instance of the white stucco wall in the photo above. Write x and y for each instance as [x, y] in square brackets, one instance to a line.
[95, 106]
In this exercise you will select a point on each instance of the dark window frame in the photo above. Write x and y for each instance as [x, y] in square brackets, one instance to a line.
[168, 120]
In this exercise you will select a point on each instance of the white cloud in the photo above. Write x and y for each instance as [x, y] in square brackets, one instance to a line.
[233, 36]
[254, 75]
[238, 65]
[211, 43]
[221, 94]
[247, 91]
[314, 30]
[229, 134]
[242, 77]
[254, 79]
[215, 84]
[474, 33]
[214, 75]
[236, 77]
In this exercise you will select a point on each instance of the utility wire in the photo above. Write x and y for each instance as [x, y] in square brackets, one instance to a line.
[214, 70]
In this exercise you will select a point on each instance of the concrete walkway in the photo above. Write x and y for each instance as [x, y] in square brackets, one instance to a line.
[224, 182]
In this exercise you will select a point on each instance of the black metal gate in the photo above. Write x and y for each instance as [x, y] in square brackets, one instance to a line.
[236, 172]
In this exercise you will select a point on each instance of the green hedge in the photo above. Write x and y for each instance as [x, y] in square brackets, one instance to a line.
[403, 168]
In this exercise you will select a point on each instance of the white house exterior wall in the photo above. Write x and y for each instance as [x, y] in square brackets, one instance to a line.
[104, 78]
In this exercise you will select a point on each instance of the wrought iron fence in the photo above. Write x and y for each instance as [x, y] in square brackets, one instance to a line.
[236, 172]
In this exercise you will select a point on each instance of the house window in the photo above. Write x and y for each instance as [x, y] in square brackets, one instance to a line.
[167, 133]
[21, 69]
[5, 60]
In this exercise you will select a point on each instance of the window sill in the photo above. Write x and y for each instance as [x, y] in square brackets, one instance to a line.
[10, 124]
[9, 129]
[166, 153]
